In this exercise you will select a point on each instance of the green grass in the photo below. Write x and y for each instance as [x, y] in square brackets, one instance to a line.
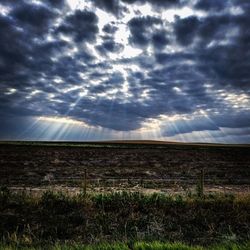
[132, 246]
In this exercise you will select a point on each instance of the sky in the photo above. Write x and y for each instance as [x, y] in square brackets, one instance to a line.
[83, 70]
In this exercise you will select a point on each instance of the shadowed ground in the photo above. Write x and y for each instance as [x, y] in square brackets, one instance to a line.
[149, 165]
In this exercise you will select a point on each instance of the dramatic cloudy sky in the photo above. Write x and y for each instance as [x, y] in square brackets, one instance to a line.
[125, 69]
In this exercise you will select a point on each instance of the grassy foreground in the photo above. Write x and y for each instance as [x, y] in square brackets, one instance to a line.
[134, 246]
[58, 221]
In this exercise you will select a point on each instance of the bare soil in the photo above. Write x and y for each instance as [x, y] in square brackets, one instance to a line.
[118, 166]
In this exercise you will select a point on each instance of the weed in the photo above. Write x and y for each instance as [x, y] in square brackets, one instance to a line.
[120, 216]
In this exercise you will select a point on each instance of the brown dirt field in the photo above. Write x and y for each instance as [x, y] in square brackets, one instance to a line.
[125, 166]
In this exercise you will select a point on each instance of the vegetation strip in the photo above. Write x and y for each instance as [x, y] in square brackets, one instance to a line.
[123, 217]
[133, 246]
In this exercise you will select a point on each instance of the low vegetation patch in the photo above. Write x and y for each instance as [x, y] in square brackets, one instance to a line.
[28, 221]
[131, 246]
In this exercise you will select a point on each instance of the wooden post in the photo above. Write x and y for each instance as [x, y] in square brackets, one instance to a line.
[201, 184]
[85, 183]
[142, 184]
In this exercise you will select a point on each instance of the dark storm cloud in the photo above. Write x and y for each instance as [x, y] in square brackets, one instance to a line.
[240, 119]
[106, 114]
[158, 3]
[12, 127]
[56, 3]
[112, 6]
[229, 66]
[220, 46]
[23, 46]
[42, 73]
[22, 43]
[205, 29]
[211, 123]
[163, 58]
[82, 25]
[31, 16]
[141, 34]
[185, 29]
[109, 45]
[244, 4]
[110, 29]
[118, 7]
[188, 126]
[212, 5]
[159, 39]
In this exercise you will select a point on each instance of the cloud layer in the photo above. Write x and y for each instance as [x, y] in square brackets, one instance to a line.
[120, 64]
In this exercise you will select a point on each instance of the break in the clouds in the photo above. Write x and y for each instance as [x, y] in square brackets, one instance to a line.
[125, 69]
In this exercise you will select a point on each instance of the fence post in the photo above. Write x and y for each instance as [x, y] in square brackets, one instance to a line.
[201, 184]
[142, 184]
[85, 183]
